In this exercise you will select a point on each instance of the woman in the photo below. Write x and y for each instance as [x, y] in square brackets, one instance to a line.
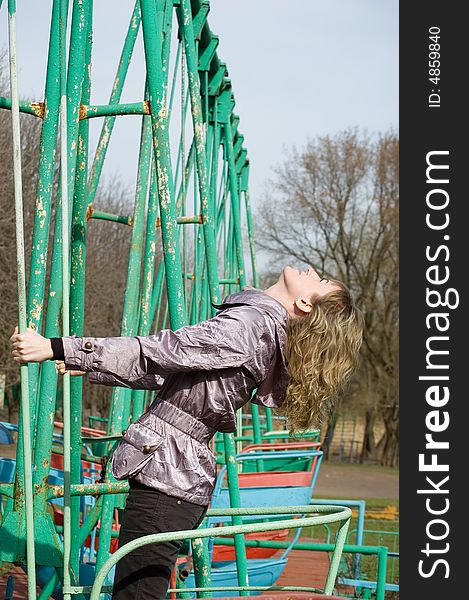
[296, 343]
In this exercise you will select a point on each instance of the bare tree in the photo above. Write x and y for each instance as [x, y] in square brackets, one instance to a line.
[335, 205]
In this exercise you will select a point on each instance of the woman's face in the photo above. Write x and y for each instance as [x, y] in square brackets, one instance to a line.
[306, 283]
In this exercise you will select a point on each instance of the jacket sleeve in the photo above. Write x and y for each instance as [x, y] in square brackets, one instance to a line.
[149, 382]
[239, 336]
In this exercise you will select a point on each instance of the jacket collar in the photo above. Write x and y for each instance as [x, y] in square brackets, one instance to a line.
[255, 297]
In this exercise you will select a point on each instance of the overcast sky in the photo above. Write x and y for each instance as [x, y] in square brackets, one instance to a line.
[299, 68]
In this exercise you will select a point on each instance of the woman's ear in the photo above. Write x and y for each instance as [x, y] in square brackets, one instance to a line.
[303, 305]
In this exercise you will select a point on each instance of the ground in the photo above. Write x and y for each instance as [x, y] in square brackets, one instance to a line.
[342, 480]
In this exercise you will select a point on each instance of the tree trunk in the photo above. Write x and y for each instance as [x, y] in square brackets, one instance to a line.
[369, 444]
[328, 438]
[390, 444]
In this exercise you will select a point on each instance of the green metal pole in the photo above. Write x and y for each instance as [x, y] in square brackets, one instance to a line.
[268, 419]
[40, 235]
[48, 385]
[252, 244]
[235, 203]
[336, 556]
[201, 157]
[201, 556]
[256, 430]
[201, 175]
[119, 81]
[50, 586]
[156, 294]
[235, 502]
[130, 314]
[49, 554]
[165, 16]
[68, 577]
[105, 216]
[93, 111]
[149, 255]
[197, 284]
[381, 574]
[20, 259]
[181, 158]
[157, 91]
[230, 252]
[214, 170]
[165, 317]
[256, 425]
[159, 318]
[77, 291]
[173, 84]
[221, 201]
[120, 406]
[30, 108]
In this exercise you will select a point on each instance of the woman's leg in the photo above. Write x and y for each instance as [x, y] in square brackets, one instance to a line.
[144, 573]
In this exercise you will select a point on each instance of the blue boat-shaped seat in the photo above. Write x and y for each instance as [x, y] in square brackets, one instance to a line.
[5, 435]
[267, 495]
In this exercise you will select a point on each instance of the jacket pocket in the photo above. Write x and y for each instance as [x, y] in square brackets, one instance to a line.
[135, 450]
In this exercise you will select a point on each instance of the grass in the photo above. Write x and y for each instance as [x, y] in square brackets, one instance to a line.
[364, 467]
[372, 524]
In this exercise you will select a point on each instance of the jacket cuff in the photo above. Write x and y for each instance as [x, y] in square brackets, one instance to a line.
[78, 352]
[57, 348]
[95, 377]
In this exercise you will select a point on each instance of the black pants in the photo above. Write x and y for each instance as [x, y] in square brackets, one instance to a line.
[144, 574]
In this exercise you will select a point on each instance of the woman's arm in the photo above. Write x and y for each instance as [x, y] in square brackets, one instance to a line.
[149, 382]
[230, 339]
[238, 336]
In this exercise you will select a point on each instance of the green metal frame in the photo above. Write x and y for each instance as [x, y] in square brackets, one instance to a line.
[203, 189]
[324, 514]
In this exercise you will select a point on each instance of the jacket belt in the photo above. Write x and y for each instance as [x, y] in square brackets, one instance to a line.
[183, 421]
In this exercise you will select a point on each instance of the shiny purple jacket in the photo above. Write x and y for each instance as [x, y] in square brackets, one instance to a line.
[204, 373]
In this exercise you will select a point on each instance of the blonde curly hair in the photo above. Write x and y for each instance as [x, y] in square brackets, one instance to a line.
[321, 351]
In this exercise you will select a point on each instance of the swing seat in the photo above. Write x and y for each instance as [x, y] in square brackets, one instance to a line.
[7, 470]
[226, 553]
[5, 435]
[268, 488]
[280, 463]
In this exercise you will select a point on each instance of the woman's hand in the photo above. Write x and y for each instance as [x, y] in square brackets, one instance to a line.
[60, 366]
[30, 346]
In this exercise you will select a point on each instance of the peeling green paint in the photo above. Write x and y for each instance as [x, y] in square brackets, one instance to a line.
[143, 294]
